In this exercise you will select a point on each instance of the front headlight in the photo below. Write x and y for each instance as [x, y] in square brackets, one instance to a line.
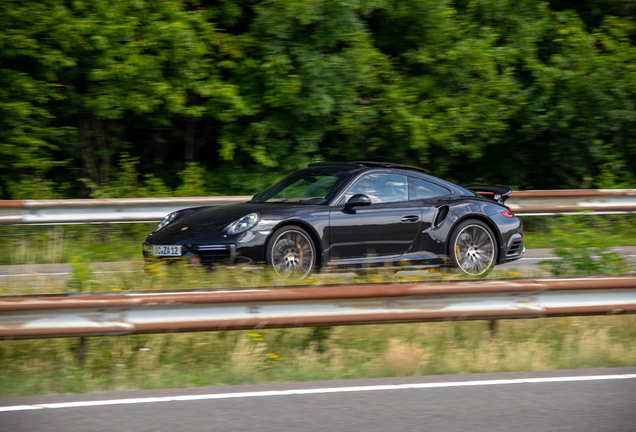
[243, 224]
[166, 220]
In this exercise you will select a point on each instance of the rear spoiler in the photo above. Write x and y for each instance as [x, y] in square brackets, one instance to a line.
[497, 193]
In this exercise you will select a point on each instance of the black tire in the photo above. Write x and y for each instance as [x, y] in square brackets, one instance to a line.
[291, 252]
[472, 248]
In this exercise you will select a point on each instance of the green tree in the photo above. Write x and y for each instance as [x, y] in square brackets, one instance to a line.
[530, 94]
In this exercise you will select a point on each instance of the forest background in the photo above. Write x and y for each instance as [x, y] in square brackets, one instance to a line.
[123, 98]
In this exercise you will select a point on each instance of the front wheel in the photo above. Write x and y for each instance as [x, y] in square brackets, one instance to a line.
[291, 252]
[472, 248]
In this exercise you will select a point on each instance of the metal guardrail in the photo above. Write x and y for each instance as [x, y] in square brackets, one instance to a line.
[523, 203]
[82, 211]
[551, 202]
[103, 314]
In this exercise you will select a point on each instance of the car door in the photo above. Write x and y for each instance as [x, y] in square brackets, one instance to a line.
[385, 228]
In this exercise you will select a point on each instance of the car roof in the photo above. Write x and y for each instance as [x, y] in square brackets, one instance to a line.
[362, 164]
[416, 171]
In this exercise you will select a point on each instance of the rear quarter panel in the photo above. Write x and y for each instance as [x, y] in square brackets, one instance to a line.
[435, 239]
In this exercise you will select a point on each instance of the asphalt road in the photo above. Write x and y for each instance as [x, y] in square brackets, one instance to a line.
[576, 400]
[529, 262]
[532, 258]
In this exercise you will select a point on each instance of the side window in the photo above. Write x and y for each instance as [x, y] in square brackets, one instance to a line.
[421, 189]
[381, 188]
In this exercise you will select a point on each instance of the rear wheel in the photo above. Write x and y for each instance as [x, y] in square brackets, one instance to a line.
[291, 252]
[473, 248]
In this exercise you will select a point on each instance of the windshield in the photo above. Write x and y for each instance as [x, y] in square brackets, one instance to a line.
[308, 186]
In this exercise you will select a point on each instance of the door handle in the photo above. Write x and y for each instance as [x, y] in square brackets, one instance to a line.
[411, 218]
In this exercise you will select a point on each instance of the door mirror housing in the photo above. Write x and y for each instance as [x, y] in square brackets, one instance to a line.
[358, 200]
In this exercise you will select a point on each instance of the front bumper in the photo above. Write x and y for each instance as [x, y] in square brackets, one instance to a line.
[247, 248]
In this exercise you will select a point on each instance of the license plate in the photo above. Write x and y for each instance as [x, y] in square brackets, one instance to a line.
[166, 250]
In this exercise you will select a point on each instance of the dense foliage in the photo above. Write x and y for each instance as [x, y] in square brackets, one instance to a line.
[138, 97]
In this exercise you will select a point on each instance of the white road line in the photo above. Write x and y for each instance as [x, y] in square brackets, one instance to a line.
[80, 404]
[19, 408]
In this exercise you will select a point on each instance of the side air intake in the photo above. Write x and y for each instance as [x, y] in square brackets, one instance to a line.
[442, 212]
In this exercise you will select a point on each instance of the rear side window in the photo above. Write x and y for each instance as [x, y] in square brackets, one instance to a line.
[381, 188]
[421, 189]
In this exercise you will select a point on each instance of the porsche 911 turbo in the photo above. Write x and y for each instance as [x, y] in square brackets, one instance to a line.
[349, 216]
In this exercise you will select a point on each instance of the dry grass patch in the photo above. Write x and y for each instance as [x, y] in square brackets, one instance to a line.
[48, 366]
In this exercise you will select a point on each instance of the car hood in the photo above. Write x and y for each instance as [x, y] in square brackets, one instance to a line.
[208, 220]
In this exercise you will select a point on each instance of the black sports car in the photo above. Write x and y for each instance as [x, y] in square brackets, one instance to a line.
[334, 216]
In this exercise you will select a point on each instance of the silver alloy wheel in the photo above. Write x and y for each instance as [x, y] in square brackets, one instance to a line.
[474, 250]
[293, 254]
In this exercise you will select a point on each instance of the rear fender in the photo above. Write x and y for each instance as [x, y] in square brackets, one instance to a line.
[436, 238]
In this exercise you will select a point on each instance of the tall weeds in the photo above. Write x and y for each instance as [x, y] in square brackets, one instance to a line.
[286, 355]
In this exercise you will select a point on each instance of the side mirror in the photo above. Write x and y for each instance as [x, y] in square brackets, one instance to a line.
[358, 200]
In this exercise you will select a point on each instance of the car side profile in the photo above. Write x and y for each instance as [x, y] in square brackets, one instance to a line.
[344, 216]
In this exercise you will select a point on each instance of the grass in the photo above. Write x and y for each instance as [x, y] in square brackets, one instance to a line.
[49, 366]
[122, 242]
[39, 367]
[129, 276]
[586, 230]
[62, 243]
[80, 245]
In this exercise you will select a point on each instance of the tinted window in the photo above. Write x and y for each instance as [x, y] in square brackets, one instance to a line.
[381, 188]
[421, 189]
[308, 186]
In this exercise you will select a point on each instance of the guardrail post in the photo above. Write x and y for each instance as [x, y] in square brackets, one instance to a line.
[319, 335]
[493, 328]
[104, 232]
[81, 351]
